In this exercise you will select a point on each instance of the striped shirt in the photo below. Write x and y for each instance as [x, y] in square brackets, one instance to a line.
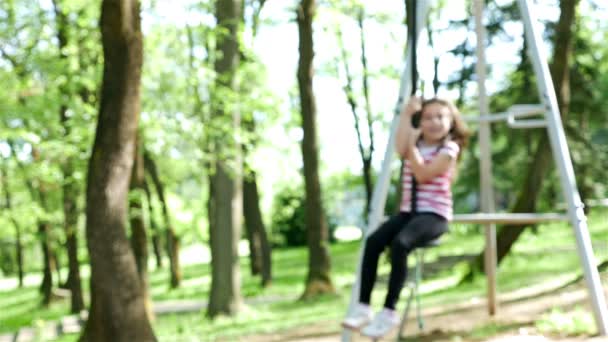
[435, 195]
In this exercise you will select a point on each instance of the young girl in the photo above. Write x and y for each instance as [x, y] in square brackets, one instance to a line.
[430, 154]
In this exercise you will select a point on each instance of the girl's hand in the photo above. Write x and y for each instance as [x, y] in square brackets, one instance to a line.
[414, 136]
[413, 139]
[413, 105]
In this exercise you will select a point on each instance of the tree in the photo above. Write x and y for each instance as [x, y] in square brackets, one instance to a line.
[259, 247]
[69, 186]
[156, 244]
[319, 265]
[366, 152]
[19, 55]
[117, 311]
[139, 238]
[172, 238]
[225, 181]
[39, 192]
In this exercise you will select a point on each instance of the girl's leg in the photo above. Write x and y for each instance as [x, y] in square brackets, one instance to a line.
[375, 244]
[421, 228]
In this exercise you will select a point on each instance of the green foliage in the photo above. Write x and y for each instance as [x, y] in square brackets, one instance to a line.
[8, 263]
[40, 78]
[577, 322]
[288, 223]
[288, 219]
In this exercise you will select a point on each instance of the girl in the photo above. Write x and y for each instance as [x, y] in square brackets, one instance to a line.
[430, 154]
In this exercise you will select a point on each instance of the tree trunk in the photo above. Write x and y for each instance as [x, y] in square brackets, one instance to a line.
[69, 188]
[260, 251]
[38, 194]
[47, 273]
[319, 266]
[19, 252]
[255, 253]
[73, 283]
[172, 238]
[225, 200]
[44, 229]
[156, 243]
[117, 311]
[174, 268]
[56, 265]
[528, 195]
[256, 232]
[436, 83]
[365, 154]
[139, 238]
[138, 230]
[367, 157]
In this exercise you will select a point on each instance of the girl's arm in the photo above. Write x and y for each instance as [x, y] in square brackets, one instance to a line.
[426, 172]
[404, 131]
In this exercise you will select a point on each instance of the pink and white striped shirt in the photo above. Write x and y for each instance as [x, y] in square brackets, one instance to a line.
[435, 195]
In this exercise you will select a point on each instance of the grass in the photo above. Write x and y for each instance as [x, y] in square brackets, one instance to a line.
[21, 307]
[537, 258]
[572, 323]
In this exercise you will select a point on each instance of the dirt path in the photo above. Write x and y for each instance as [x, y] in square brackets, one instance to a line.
[518, 311]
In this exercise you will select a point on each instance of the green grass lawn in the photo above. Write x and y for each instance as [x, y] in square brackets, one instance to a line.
[536, 258]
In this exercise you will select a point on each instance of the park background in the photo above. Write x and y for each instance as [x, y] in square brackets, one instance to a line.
[218, 90]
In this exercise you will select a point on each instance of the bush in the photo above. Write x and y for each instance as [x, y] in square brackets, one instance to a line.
[288, 221]
[8, 261]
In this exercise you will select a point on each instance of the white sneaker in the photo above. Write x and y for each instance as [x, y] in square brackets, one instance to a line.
[384, 321]
[358, 317]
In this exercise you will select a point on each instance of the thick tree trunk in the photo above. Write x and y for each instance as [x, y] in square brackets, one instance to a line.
[117, 310]
[319, 266]
[172, 238]
[139, 239]
[70, 190]
[256, 232]
[156, 243]
[528, 195]
[225, 200]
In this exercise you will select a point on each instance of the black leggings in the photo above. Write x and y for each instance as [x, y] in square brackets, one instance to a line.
[403, 232]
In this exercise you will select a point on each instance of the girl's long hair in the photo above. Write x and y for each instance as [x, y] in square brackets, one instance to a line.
[459, 133]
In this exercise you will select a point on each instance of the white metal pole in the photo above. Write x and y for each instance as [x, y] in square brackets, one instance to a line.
[381, 188]
[485, 163]
[564, 164]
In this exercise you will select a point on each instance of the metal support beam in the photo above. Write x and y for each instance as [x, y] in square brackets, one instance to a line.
[485, 162]
[563, 162]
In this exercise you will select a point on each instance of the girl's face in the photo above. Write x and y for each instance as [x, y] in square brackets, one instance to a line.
[435, 122]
